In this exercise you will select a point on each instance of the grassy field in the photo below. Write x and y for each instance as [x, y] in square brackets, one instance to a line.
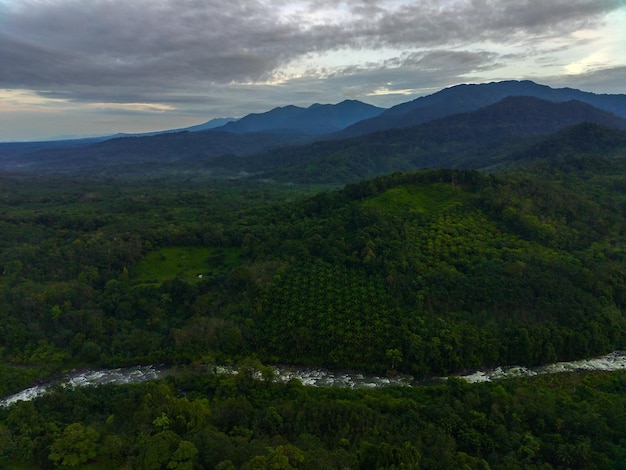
[418, 198]
[187, 263]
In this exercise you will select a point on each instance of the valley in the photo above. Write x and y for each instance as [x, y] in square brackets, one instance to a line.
[492, 234]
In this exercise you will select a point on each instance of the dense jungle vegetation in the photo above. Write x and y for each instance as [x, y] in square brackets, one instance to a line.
[424, 273]
[440, 270]
[566, 421]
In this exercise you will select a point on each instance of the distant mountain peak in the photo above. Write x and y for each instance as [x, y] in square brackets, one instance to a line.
[469, 97]
[317, 119]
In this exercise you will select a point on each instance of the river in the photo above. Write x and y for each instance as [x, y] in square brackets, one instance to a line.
[317, 377]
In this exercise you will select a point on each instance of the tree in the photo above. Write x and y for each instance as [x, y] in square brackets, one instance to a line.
[158, 450]
[76, 446]
[395, 356]
[184, 457]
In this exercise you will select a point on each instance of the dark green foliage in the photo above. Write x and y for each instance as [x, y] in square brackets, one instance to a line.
[209, 421]
[451, 269]
[323, 314]
[425, 273]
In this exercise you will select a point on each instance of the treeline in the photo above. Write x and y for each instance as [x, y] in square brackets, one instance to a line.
[201, 421]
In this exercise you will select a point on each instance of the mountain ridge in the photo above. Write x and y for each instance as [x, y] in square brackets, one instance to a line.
[469, 97]
[477, 140]
[316, 119]
[460, 140]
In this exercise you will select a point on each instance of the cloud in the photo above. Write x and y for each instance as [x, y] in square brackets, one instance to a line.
[445, 61]
[603, 80]
[169, 43]
[242, 56]
[95, 43]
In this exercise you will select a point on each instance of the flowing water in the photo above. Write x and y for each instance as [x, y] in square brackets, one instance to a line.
[125, 375]
[317, 377]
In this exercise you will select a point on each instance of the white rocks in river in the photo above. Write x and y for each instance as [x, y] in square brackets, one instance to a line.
[476, 377]
[316, 377]
[613, 361]
[92, 377]
[25, 395]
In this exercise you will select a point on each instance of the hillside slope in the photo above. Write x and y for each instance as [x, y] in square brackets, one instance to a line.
[438, 271]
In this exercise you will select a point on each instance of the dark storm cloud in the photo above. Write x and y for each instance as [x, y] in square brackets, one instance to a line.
[430, 22]
[145, 50]
[112, 42]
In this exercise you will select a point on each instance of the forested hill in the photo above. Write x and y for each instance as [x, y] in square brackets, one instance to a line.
[446, 270]
[426, 273]
[586, 138]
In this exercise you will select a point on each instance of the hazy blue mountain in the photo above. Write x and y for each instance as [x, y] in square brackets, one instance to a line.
[212, 124]
[142, 151]
[480, 139]
[14, 151]
[317, 119]
[464, 98]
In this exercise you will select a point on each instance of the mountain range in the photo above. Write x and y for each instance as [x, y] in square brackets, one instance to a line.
[464, 98]
[483, 126]
[490, 137]
[317, 119]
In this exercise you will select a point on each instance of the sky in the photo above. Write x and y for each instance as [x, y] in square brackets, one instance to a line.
[97, 67]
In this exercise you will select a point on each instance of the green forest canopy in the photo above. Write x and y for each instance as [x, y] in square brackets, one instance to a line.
[453, 269]
[425, 273]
